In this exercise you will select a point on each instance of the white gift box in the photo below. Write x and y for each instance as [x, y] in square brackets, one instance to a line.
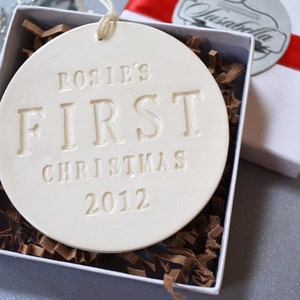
[273, 112]
[232, 46]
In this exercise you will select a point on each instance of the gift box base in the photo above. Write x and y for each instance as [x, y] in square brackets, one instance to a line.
[233, 46]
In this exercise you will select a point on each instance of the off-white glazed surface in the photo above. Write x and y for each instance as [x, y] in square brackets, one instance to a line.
[112, 145]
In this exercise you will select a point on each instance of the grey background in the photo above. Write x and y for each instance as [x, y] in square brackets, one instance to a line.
[263, 259]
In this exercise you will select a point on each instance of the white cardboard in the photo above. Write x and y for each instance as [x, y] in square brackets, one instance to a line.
[232, 45]
[273, 112]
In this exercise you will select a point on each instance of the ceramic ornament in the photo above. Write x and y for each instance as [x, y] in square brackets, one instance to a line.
[112, 139]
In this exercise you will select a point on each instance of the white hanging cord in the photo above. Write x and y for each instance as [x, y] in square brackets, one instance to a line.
[107, 21]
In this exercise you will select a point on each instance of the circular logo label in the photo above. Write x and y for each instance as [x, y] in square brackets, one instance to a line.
[267, 21]
[112, 145]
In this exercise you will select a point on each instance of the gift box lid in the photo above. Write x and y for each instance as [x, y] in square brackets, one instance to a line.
[272, 119]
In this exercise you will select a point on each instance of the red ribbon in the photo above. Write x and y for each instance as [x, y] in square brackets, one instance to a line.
[163, 10]
[291, 57]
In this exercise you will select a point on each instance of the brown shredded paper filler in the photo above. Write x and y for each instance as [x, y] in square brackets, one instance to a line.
[191, 255]
[41, 36]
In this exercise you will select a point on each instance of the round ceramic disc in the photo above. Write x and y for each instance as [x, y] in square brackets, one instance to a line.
[112, 145]
[267, 21]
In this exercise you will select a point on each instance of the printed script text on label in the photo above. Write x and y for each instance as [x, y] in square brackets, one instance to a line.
[236, 16]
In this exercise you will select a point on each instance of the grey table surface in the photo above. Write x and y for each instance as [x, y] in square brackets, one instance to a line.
[263, 258]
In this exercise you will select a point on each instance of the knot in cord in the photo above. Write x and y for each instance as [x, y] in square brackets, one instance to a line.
[107, 21]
